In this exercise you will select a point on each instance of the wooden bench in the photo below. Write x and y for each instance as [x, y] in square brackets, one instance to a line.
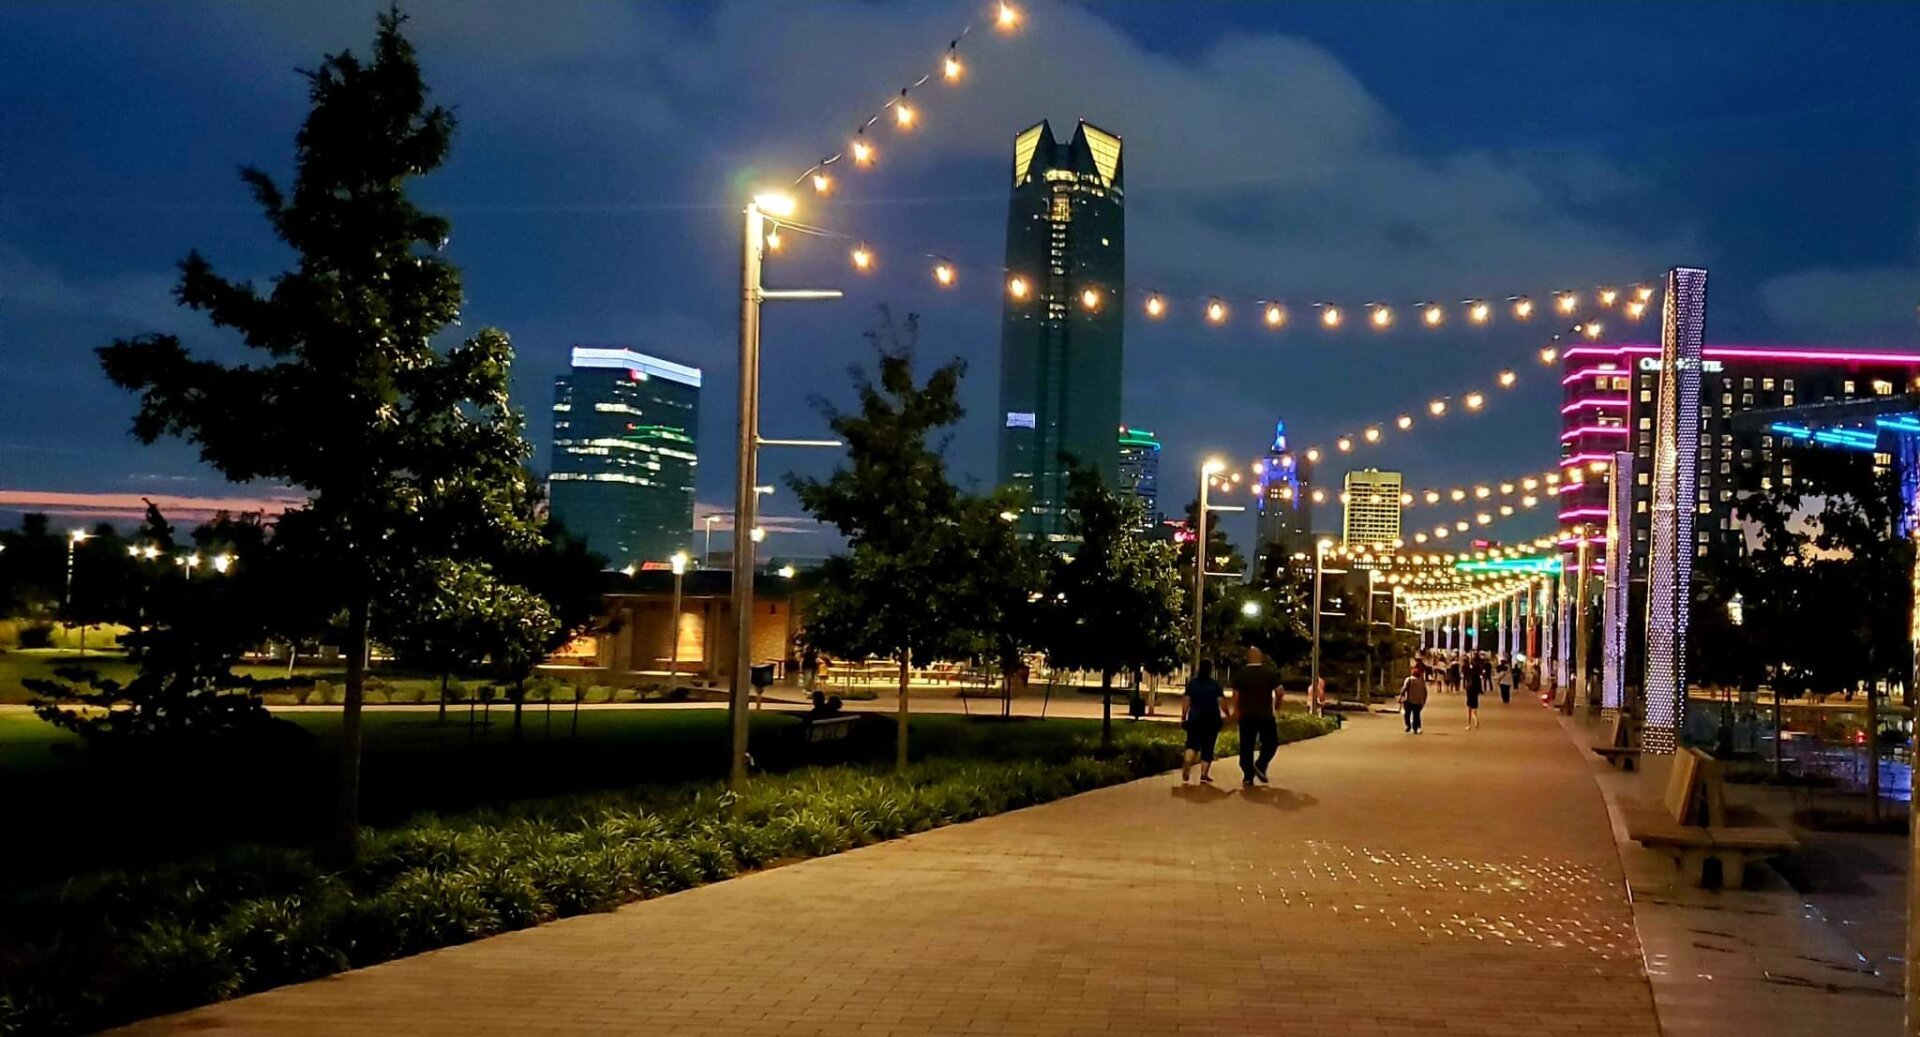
[1690, 825]
[1619, 748]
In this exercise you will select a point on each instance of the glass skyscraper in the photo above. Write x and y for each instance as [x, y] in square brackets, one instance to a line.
[1062, 325]
[1140, 470]
[624, 453]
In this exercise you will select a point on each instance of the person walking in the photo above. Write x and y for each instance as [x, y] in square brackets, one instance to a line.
[1452, 682]
[1317, 697]
[1413, 698]
[1200, 719]
[1474, 681]
[1256, 695]
[1504, 678]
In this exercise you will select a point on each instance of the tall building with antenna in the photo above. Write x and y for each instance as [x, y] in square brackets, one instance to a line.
[1063, 319]
[1284, 490]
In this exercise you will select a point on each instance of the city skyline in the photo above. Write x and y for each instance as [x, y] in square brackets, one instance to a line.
[628, 242]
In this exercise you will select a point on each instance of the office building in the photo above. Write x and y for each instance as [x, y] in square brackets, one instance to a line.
[1608, 406]
[1372, 504]
[624, 454]
[1063, 318]
[1140, 471]
[1284, 493]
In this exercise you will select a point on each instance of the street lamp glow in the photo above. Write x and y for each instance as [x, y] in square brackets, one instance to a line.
[1567, 302]
[757, 534]
[1372, 434]
[1607, 295]
[1325, 546]
[1313, 454]
[773, 239]
[1507, 378]
[1344, 443]
[1643, 291]
[1250, 609]
[79, 535]
[1475, 400]
[786, 572]
[903, 115]
[775, 203]
[1213, 466]
[678, 562]
[1549, 354]
[1008, 516]
[222, 562]
[1636, 309]
[1592, 329]
[1434, 315]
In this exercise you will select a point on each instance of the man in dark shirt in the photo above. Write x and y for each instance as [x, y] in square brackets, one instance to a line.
[1256, 694]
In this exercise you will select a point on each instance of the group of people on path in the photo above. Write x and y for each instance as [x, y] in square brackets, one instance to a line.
[1470, 673]
[1205, 709]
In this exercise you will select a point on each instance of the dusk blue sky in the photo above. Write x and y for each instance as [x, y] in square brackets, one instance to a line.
[1344, 151]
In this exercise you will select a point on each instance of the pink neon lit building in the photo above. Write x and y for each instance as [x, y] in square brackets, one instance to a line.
[1607, 405]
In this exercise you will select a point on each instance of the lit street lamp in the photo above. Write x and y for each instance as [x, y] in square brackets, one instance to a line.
[1250, 609]
[1212, 467]
[679, 563]
[746, 485]
[73, 540]
[1319, 566]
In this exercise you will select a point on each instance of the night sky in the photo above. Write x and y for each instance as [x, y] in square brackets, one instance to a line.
[1341, 151]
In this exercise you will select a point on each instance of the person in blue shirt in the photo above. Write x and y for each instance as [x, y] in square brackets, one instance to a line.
[1200, 718]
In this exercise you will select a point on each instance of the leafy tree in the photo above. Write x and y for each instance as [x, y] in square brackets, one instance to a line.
[32, 568]
[404, 449]
[1003, 594]
[1116, 602]
[899, 590]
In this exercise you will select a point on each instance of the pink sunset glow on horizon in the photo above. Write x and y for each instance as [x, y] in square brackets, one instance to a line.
[109, 507]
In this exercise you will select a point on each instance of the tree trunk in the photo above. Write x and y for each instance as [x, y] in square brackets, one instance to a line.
[900, 739]
[346, 833]
[1106, 707]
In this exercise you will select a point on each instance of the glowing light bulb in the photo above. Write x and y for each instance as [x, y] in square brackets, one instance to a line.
[1090, 298]
[1461, 525]
[1382, 316]
[1529, 483]
[1456, 495]
[1523, 307]
[1419, 538]
[1506, 487]
[1475, 401]
[1505, 510]
[1434, 315]
[862, 258]
[1507, 378]
[1313, 454]
[1404, 421]
[1344, 444]
[952, 66]
[1406, 499]
[1276, 315]
[1483, 518]
[1592, 329]
[1155, 306]
[1549, 355]
[1017, 287]
[1478, 312]
[1319, 496]
[1433, 496]
[1607, 295]
[1596, 466]
[774, 240]
[862, 153]
[1566, 301]
[903, 115]
[1437, 408]
[1636, 309]
[1008, 17]
[943, 273]
[1330, 316]
[1372, 435]
[1481, 493]
[822, 183]
[1529, 501]
[1216, 311]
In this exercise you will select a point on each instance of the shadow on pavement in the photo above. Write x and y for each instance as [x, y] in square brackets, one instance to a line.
[1279, 799]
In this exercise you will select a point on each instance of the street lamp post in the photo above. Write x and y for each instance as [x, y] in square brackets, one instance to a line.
[1373, 577]
[1319, 564]
[1208, 470]
[679, 563]
[73, 540]
[1579, 692]
[746, 488]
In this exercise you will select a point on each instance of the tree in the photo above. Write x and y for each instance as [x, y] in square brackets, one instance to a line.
[404, 449]
[1003, 592]
[898, 590]
[1116, 601]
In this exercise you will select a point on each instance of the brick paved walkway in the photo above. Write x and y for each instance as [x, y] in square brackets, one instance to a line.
[1453, 883]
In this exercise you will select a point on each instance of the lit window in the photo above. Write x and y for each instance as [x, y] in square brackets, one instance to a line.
[1787, 385]
[1767, 384]
[1787, 399]
[1847, 387]
[1646, 396]
[1746, 383]
[1646, 422]
[1642, 478]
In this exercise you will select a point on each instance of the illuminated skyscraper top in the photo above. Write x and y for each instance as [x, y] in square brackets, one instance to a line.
[1286, 507]
[1060, 341]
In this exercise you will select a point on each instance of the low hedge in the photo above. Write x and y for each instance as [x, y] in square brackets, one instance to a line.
[123, 945]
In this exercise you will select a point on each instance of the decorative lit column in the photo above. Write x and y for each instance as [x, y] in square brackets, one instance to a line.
[1676, 455]
[1618, 570]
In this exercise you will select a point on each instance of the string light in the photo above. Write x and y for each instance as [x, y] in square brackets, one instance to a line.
[1276, 315]
[1313, 454]
[1090, 298]
[1636, 309]
[1382, 317]
[951, 68]
[1008, 18]
[862, 257]
[822, 183]
[1404, 421]
[1566, 301]
[1592, 329]
[1607, 295]
[773, 239]
[1643, 292]
[1017, 287]
[1330, 316]
[903, 113]
[1434, 315]
[1507, 378]
[1475, 400]
[1216, 311]
[1523, 307]
[1478, 312]
[862, 153]
[943, 273]
[1345, 444]
[1437, 408]
[1372, 434]
[1549, 355]
[1155, 306]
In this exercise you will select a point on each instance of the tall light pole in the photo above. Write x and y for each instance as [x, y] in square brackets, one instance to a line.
[747, 474]
[1212, 467]
[1319, 564]
[1579, 691]
[679, 563]
[73, 540]
[1373, 577]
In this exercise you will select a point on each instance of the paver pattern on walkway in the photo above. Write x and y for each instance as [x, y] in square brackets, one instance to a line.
[1454, 882]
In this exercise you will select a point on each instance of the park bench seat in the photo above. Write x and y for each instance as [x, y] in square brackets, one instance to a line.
[1618, 747]
[1690, 825]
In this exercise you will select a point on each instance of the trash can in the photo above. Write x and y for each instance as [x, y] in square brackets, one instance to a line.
[762, 675]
